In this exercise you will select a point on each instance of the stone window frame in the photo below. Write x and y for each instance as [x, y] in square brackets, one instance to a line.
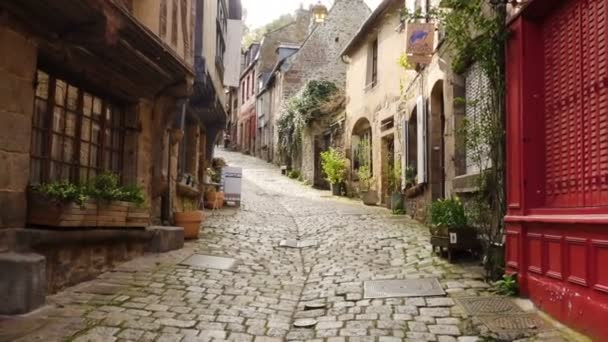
[371, 79]
[61, 147]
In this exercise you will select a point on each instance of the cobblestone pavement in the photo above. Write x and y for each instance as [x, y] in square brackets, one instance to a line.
[155, 299]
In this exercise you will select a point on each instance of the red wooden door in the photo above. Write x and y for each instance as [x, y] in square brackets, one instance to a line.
[576, 104]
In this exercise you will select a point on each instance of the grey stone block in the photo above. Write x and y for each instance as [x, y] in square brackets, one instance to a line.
[22, 282]
[166, 239]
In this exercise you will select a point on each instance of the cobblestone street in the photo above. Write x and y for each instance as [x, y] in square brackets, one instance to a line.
[155, 299]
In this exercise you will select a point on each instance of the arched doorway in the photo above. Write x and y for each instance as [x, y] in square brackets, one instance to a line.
[362, 132]
[437, 142]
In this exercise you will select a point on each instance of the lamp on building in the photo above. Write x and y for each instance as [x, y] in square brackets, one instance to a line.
[319, 12]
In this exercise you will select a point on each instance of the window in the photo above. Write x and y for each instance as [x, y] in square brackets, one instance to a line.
[222, 27]
[75, 134]
[372, 65]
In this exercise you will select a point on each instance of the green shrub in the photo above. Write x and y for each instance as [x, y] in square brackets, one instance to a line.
[448, 213]
[294, 174]
[104, 186]
[508, 286]
[63, 191]
[334, 166]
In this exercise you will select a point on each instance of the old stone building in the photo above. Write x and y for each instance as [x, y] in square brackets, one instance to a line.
[97, 86]
[257, 73]
[374, 110]
[319, 58]
[247, 118]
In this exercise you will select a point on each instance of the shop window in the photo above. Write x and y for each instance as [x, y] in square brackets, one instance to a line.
[75, 134]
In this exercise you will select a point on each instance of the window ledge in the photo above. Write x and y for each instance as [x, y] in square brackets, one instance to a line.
[370, 87]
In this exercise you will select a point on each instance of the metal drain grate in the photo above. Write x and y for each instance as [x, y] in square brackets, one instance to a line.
[208, 261]
[483, 306]
[515, 325]
[402, 288]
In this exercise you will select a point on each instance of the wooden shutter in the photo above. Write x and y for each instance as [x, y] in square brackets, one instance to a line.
[576, 104]
[406, 150]
[422, 139]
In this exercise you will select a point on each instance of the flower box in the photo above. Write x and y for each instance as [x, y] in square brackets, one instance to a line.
[95, 214]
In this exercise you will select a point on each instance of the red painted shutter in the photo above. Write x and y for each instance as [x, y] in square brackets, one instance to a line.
[576, 104]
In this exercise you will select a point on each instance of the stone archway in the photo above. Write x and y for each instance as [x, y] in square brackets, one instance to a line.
[437, 142]
[361, 130]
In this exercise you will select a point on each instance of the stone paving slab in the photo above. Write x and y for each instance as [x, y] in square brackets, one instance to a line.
[158, 299]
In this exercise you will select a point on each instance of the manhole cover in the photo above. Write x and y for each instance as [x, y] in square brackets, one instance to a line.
[208, 261]
[402, 288]
[521, 323]
[305, 323]
[297, 243]
[480, 306]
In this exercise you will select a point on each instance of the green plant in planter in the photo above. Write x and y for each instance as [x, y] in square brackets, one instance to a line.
[394, 178]
[366, 179]
[508, 286]
[410, 176]
[447, 213]
[334, 166]
[294, 174]
[63, 191]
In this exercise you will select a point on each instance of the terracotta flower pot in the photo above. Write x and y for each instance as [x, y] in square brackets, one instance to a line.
[214, 200]
[191, 221]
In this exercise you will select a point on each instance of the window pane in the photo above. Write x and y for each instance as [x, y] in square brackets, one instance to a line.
[107, 158]
[115, 162]
[58, 119]
[56, 145]
[68, 150]
[85, 134]
[72, 98]
[96, 134]
[70, 126]
[55, 171]
[84, 174]
[35, 171]
[42, 88]
[107, 138]
[87, 104]
[38, 143]
[65, 172]
[84, 154]
[40, 115]
[116, 140]
[94, 157]
[108, 113]
[60, 91]
[96, 107]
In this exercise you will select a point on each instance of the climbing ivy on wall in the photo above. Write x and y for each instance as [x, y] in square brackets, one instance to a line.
[299, 111]
[475, 32]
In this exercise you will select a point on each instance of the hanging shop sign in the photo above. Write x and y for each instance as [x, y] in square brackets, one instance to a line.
[420, 43]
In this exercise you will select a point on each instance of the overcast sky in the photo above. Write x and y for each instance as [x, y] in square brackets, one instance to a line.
[260, 12]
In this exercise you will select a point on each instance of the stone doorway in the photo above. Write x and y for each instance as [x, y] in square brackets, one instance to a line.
[437, 142]
[388, 164]
[322, 143]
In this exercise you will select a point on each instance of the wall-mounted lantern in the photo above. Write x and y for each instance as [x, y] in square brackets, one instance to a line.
[319, 12]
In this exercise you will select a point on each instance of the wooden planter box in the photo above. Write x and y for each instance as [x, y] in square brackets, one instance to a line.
[454, 239]
[45, 212]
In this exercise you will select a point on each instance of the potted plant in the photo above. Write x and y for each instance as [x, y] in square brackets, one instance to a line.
[213, 199]
[369, 196]
[394, 187]
[334, 167]
[190, 218]
[449, 227]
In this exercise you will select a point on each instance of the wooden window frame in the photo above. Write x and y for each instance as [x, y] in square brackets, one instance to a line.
[111, 119]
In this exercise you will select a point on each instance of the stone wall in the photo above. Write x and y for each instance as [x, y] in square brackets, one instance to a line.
[18, 60]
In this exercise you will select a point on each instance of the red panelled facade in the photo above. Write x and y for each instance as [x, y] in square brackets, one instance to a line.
[557, 132]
